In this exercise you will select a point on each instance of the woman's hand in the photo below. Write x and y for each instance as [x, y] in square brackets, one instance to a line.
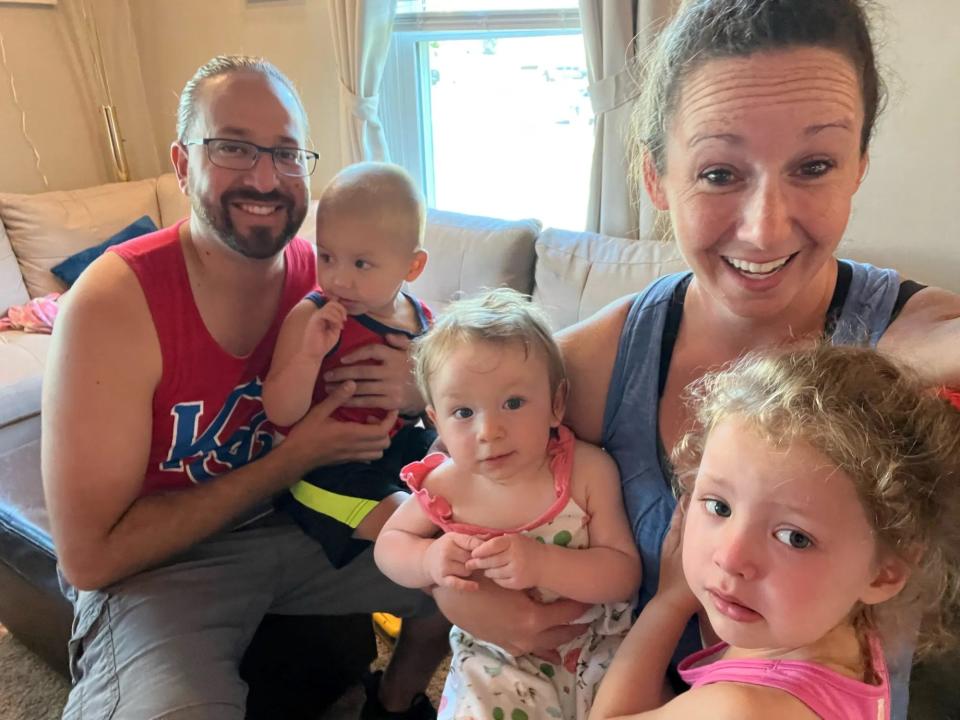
[445, 561]
[510, 619]
[383, 375]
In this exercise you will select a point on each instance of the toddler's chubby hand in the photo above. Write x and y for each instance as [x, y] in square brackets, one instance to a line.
[323, 330]
[445, 561]
[511, 561]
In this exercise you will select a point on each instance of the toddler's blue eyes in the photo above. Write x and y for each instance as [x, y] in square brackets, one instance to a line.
[717, 507]
[513, 403]
[793, 538]
[463, 413]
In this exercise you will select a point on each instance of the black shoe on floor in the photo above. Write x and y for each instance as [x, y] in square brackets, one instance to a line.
[420, 708]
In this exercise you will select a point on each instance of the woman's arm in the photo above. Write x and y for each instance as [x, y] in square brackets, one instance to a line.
[589, 352]
[926, 336]
[308, 333]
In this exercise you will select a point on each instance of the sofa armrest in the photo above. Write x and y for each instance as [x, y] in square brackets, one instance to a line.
[13, 291]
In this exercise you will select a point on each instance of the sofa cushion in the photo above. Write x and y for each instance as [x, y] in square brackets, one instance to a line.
[69, 270]
[469, 253]
[45, 228]
[12, 289]
[22, 357]
[577, 273]
[173, 204]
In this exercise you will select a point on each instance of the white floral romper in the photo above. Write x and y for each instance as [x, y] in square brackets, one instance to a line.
[487, 683]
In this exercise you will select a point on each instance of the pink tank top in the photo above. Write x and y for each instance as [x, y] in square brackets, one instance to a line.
[828, 693]
[440, 512]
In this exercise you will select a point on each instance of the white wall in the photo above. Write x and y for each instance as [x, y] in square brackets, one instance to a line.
[62, 113]
[904, 215]
[907, 213]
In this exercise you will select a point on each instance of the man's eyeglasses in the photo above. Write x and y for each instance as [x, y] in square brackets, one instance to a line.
[242, 155]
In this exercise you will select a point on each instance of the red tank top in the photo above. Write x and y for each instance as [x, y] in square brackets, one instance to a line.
[208, 418]
[358, 331]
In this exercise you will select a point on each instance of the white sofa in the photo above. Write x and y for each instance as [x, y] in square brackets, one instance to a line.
[571, 274]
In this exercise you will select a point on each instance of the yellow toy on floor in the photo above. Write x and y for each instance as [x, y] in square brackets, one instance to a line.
[387, 626]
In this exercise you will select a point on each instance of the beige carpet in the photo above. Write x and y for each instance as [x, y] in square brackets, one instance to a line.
[29, 690]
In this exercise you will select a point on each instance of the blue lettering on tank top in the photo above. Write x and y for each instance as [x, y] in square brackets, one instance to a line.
[208, 454]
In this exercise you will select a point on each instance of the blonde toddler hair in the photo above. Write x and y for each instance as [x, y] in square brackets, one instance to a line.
[898, 442]
[501, 317]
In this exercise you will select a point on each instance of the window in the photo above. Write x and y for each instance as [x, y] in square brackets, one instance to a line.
[489, 108]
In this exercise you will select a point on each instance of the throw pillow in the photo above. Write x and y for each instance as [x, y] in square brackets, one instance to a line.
[69, 270]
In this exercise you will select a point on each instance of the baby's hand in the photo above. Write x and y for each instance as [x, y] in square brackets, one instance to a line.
[323, 330]
[511, 561]
[445, 561]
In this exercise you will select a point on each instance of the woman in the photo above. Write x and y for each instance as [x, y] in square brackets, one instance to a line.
[753, 134]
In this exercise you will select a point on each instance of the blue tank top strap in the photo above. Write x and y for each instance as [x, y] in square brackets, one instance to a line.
[869, 305]
[631, 434]
[316, 298]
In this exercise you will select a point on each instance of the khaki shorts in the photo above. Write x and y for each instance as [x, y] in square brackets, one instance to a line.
[167, 643]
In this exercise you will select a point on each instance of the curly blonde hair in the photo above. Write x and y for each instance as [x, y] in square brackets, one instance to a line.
[501, 316]
[898, 442]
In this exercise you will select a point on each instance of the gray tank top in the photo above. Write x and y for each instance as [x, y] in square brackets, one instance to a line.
[630, 427]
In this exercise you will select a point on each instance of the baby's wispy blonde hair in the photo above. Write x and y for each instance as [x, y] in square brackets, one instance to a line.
[502, 317]
[898, 442]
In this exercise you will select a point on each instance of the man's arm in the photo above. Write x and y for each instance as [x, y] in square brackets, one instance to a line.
[103, 367]
[926, 336]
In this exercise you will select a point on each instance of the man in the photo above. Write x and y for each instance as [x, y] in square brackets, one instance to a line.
[155, 463]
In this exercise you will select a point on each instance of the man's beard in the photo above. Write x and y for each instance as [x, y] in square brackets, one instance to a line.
[258, 242]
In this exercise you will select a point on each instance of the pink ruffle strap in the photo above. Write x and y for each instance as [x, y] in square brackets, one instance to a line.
[438, 509]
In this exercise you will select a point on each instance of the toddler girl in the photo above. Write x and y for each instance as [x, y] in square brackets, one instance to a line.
[821, 506]
[519, 501]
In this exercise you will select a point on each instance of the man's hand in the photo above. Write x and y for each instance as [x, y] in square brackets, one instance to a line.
[323, 330]
[383, 375]
[319, 439]
[445, 561]
[511, 561]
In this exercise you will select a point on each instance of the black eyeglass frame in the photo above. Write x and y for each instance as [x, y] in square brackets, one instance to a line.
[311, 155]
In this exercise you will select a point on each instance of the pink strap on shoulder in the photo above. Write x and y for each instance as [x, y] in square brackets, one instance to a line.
[560, 451]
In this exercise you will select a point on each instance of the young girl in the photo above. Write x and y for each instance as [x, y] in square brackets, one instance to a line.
[821, 504]
[520, 501]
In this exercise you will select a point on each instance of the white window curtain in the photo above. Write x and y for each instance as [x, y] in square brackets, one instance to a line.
[361, 38]
[613, 33]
